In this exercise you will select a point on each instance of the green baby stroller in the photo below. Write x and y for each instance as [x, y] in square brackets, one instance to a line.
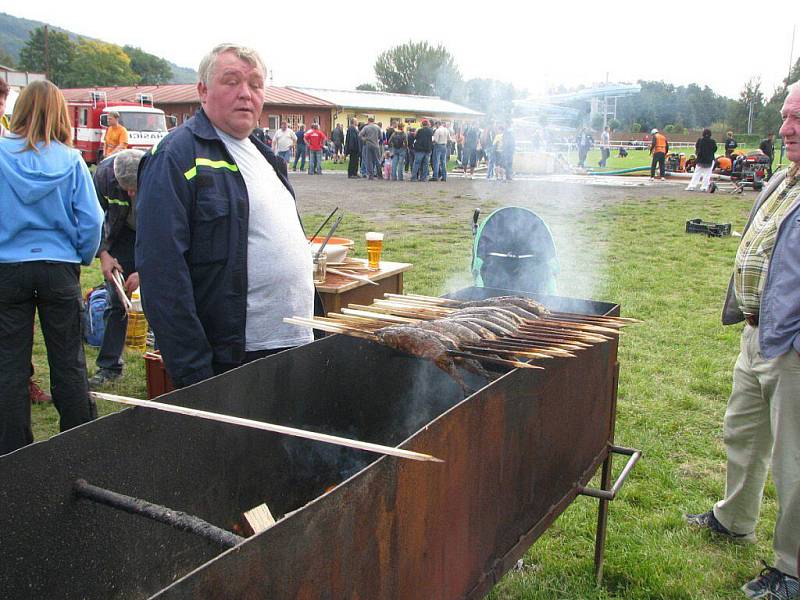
[513, 249]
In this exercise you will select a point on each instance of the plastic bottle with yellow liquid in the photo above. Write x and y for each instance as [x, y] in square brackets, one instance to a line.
[136, 335]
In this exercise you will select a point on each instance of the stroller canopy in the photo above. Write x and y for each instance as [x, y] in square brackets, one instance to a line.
[513, 250]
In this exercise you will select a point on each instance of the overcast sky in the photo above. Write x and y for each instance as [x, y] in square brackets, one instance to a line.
[534, 46]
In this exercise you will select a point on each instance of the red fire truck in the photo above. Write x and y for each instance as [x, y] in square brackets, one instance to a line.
[146, 124]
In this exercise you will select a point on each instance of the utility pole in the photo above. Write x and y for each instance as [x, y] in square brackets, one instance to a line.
[791, 57]
[605, 106]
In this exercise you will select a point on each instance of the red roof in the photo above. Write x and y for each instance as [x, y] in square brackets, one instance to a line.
[186, 93]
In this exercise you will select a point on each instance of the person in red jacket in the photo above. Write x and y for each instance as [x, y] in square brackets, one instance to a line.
[315, 139]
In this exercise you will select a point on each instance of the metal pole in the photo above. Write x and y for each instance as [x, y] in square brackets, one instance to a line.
[162, 514]
[602, 521]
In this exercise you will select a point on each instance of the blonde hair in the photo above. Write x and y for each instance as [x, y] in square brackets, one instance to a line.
[206, 70]
[40, 115]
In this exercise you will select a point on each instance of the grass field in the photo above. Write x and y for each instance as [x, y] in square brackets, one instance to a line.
[675, 379]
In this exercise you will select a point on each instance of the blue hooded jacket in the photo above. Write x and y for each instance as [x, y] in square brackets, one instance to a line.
[48, 206]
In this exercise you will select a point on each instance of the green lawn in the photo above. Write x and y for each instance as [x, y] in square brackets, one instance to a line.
[675, 379]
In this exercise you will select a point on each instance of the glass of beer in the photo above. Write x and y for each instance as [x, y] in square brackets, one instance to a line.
[320, 260]
[374, 247]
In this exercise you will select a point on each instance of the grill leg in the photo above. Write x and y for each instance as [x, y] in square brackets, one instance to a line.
[602, 521]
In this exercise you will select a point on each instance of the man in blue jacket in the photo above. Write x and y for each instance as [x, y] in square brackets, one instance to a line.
[220, 250]
[762, 420]
[115, 182]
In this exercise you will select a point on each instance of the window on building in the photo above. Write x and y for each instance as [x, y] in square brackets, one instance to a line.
[395, 121]
[83, 118]
[293, 120]
[410, 119]
[316, 119]
[273, 122]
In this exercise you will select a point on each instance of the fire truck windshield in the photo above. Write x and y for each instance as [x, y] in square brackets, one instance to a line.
[140, 121]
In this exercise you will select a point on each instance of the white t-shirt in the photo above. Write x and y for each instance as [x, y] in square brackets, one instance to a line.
[283, 140]
[441, 135]
[279, 268]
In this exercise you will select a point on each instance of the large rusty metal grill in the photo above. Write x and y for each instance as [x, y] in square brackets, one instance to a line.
[517, 452]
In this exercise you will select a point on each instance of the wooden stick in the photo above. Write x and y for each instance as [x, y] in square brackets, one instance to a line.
[549, 350]
[378, 316]
[126, 302]
[522, 353]
[498, 361]
[603, 317]
[429, 299]
[351, 276]
[292, 431]
[535, 341]
[322, 326]
[358, 321]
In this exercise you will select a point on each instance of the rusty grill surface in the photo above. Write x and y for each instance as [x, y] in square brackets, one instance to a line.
[516, 452]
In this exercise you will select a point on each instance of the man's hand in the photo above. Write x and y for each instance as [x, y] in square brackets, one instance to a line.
[108, 264]
[131, 283]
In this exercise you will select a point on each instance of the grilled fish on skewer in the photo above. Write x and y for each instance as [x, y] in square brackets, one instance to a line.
[431, 345]
[456, 331]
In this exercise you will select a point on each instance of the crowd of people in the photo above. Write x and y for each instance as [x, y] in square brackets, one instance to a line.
[397, 152]
[195, 230]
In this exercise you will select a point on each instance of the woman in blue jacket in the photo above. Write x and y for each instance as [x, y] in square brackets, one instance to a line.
[50, 224]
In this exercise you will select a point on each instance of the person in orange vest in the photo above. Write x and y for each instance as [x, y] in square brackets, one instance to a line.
[116, 135]
[659, 146]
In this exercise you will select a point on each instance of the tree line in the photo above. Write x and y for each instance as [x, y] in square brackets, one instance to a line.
[89, 63]
[427, 70]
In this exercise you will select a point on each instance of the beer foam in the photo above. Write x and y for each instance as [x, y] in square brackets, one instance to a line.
[374, 236]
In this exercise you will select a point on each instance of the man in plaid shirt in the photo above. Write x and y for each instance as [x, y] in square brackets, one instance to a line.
[762, 420]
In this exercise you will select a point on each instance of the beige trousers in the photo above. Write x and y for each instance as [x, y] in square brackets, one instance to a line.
[762, 422]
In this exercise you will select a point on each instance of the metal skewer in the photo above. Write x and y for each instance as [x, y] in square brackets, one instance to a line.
[325, 222]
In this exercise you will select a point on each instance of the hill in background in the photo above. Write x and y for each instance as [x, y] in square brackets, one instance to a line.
[14, 33]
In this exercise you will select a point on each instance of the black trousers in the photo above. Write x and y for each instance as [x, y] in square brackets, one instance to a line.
[659, 159]
[53, 289]
[352, 165]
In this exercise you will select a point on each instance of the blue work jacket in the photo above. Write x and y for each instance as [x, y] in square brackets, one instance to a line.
[191, 249]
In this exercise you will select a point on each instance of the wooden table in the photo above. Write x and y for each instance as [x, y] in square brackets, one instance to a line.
[337, 291]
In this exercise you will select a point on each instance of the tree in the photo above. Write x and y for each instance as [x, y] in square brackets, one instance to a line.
[491, 97]
[60, 54]
[99, 64]
[770, 121]
[750, 96]
[151, 69]
[6, 59]
[660, 103]
[418, 68]
[367, 87]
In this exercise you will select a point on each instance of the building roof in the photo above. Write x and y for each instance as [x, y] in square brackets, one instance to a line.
[424, 105]
[186, 93]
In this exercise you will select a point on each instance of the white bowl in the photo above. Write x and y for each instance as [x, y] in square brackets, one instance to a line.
[335, 252]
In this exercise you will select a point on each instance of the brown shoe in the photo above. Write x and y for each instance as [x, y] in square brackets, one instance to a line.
[37, 394]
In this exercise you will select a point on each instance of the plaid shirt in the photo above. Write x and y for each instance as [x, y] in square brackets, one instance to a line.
[755, 249]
